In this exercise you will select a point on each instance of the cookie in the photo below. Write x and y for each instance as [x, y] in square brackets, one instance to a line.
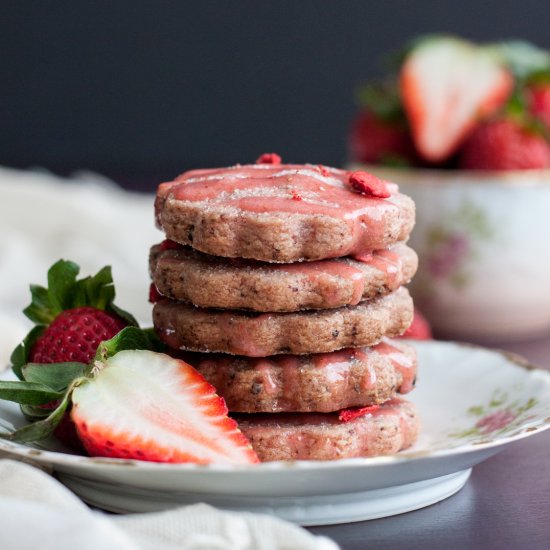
[186, 327]
[184, 274]
[313, 436]
[326, 382]
[279, 213]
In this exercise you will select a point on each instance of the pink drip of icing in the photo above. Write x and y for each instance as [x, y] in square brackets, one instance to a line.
[316, 271]
[401, 362]
[386, 261]
[264, 367]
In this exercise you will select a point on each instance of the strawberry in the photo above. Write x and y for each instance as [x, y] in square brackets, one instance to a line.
[539, 101]
[368, 185]
[168, 413]
[74, 335]
[131, 403]
[379, 134]
[377, 141]
[72, 318]
[505, 144]
[448, 85]
[419, 329]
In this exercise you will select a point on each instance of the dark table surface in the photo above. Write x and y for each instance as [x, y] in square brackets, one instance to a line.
[505, 503]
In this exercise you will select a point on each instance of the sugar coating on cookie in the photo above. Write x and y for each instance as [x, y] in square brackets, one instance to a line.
[185, 274]
[279, 213]
[183, 326]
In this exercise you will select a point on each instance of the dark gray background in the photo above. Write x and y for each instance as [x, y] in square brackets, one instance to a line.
[142, 90]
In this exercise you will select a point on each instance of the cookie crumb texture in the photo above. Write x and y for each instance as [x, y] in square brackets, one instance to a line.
[251, 212]
[212, 282]
[186, 327]
[302, 436]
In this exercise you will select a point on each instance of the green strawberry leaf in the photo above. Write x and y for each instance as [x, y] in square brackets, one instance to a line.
[27, 393]
[383, 100]
[41, 429]
[65, 291]
[129, 338]
[123, 314]
[540, 78]
[394, 160]
[33, 413]
[61, 284]
[20, 354]
[522, 58]
[40, 311]
[57, 376]
[98, 290]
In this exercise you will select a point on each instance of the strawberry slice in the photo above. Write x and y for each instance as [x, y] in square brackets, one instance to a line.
[149, 406]
[447, 85]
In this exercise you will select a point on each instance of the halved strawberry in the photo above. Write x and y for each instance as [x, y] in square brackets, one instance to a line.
[149, 406]
[447, 85]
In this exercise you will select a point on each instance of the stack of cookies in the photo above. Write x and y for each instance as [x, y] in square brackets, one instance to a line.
[283, 286]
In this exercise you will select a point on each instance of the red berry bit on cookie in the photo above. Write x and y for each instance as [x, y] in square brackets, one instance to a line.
[368, 184]
[269, 158]
[347, 415]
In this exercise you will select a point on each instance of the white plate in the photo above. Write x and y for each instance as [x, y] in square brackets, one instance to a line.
[472, 402]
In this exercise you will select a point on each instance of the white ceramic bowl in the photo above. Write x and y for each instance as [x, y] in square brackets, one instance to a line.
[483, 239]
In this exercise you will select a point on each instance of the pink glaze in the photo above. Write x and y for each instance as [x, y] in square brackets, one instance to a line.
[315, 271]
[265, 188]
[402, 363]
[264, 367]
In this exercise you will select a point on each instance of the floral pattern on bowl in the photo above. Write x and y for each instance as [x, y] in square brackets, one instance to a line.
[452, 245]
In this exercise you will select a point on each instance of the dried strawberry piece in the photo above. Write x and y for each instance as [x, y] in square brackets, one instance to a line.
[168, 244]
[324, 171]
[269, 158]
[347, 415]
[295, 195]
[154, 294]
[368, 184]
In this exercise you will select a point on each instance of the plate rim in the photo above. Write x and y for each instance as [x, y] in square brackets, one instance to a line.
[55, 458]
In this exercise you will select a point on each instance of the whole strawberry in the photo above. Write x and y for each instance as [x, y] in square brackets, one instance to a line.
[505, 144]
[377, 141]
[72, 318]
[379, 134]
[538, 95]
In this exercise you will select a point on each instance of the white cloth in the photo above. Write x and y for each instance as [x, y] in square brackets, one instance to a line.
[91, 221]
[87, 219]
[36, 511]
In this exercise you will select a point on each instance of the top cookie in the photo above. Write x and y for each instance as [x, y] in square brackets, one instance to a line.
[279, 213]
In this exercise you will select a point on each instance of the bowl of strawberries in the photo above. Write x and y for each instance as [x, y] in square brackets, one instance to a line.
[464, 129]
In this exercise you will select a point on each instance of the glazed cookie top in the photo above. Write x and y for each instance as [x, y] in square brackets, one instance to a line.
[355, 212]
